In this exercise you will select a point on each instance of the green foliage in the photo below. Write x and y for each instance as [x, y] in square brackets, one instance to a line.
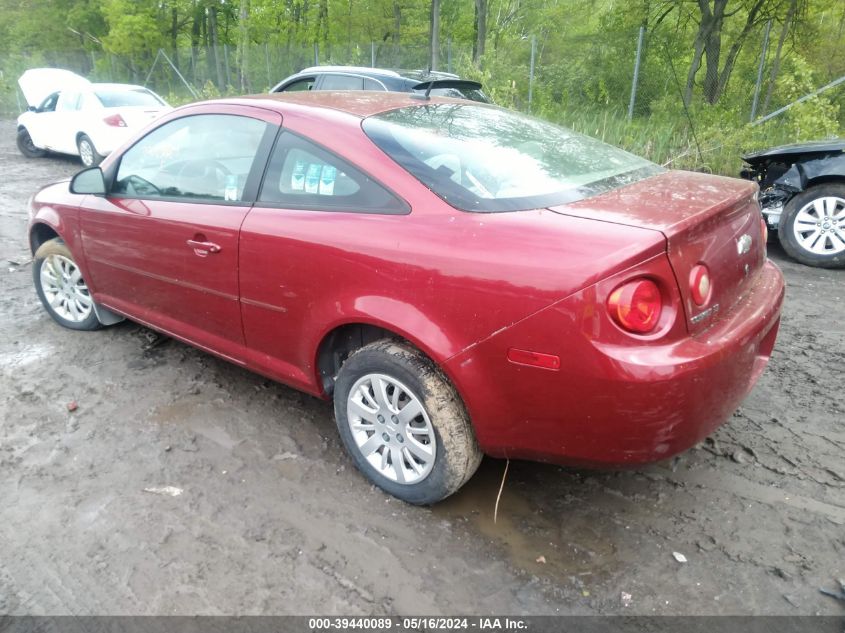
[585, 55]
[133, 27]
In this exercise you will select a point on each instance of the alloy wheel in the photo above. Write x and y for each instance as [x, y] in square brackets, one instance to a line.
[391, 428]
[64, 289]
[819, 226]
[86, 153]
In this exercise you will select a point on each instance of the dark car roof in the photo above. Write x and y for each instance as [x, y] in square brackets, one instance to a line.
[377, 73]
[391, 79]
[813, 147]
[357, 103]
[425, 75]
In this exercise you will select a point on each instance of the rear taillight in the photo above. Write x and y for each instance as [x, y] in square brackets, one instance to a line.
[699, 284]
[115, 120]
[636, 305]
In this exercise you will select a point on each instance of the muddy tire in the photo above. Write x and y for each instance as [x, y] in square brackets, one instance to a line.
[87, 152]
[27, 147]
[812, 227]
[403, 423]
[61, 288]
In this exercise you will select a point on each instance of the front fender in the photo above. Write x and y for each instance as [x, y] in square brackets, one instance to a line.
[25, 119]
[49, 216]
[803, 174]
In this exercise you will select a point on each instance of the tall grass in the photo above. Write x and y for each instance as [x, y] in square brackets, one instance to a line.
[675, 142]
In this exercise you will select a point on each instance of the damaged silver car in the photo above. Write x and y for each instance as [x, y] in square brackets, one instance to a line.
[802, 194]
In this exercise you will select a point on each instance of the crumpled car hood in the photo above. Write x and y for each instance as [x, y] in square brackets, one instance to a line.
[37, 83]
[797, 149]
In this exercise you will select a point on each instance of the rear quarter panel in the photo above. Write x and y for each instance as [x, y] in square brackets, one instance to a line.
[442, 278]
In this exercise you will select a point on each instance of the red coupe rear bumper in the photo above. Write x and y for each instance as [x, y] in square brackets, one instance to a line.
[612, 404]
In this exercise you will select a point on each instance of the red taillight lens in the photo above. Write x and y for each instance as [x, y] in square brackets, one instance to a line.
[699, 284]
[636, 305]
[115, 120]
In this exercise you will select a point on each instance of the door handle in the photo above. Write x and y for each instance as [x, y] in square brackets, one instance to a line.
[203, 248]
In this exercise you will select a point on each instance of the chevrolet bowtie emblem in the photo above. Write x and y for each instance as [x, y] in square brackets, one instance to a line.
[743, 244]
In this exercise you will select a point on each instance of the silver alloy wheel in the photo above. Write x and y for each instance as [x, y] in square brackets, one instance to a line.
[86, 152]
[391, 428]
[64, 289]
[819, 226]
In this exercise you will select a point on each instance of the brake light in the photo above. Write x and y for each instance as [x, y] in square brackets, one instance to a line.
[699, 284]
[636, 305]
[115, 120]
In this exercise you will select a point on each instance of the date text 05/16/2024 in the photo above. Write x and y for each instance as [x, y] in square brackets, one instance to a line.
[417, 624]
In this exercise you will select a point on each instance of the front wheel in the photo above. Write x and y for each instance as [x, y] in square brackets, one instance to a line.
[87, 152]
[812, 226]
[403, 423]
[27, 147]
[61, 288]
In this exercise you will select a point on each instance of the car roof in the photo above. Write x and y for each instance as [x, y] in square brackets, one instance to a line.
[397, 73]
[426, 75]
[108, 86]
[364, 70]
[359, 103]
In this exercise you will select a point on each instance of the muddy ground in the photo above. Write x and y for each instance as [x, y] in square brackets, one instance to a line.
[275, 520]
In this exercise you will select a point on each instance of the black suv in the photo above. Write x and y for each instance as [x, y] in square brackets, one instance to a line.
[802, 194]
[361, 78]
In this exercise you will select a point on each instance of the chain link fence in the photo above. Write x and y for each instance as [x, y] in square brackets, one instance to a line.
[632, 88]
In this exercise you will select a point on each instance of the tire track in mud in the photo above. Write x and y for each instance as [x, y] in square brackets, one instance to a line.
[274, 519]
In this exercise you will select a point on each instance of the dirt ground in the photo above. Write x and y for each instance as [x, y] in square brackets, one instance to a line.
[274, 519]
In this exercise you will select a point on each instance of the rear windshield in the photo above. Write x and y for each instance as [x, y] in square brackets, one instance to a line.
[123, 98]
[487, 159]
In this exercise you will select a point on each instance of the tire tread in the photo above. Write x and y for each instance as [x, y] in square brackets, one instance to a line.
[445, 409]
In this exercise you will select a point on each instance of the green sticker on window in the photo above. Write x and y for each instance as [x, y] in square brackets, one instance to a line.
[329, 175]
[312, 178]
[297, 178]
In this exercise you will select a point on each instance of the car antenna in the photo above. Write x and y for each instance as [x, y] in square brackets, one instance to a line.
[427, 95]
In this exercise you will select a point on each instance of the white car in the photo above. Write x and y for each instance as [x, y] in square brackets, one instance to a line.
[71, 115]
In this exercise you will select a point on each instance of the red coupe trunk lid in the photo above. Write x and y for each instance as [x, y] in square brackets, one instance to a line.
[706, 219]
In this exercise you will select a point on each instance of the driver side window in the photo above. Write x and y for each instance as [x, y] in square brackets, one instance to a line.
[49, 104]
[201, 157]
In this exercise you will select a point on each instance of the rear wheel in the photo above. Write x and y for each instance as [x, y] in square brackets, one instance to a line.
[403, 423]
[812, 226]
[87, 152]
[61, 288]
[27, 147]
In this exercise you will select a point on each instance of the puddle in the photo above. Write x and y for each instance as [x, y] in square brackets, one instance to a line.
[193, 416]
[176, 412]
[25, 356]
[216, 435]
[575, 545]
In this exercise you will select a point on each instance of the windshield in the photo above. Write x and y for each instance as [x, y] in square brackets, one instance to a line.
[480, 158]
[122, 98]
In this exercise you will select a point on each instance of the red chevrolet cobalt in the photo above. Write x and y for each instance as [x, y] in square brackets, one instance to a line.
[459, 278]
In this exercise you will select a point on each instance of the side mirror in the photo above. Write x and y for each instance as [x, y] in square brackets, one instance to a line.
[89, 181]
[32, 109]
